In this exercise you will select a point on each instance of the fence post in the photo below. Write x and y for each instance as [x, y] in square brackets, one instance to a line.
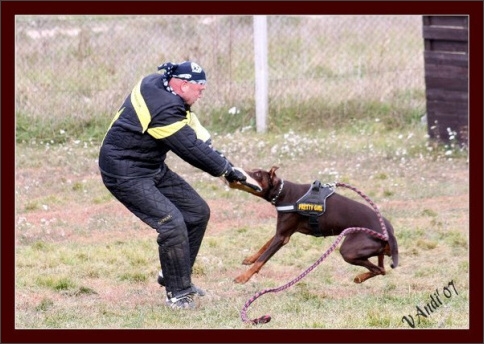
[261, 72]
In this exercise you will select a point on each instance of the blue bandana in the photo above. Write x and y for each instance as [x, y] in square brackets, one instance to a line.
[187, 70]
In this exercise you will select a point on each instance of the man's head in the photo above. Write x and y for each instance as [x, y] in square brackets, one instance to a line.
[189, 71]
[187, 79]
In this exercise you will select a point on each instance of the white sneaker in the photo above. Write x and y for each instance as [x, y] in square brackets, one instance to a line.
[183, 302]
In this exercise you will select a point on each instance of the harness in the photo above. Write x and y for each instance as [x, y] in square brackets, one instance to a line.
[385, 237]
[312, 204]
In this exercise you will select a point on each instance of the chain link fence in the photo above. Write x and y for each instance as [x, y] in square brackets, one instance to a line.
[84, 66]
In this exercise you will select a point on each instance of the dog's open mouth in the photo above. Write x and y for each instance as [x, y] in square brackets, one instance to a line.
[249, 185]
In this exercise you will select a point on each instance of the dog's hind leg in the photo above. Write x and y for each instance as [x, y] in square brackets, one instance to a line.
[251, 259]
[364, 276]
[356, 249]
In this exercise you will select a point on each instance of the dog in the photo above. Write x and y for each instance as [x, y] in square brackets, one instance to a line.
[340, 213]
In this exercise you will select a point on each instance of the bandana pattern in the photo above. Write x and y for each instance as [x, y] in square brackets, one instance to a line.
[168, 67]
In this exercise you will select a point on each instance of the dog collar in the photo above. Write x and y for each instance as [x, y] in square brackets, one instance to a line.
[273, 201]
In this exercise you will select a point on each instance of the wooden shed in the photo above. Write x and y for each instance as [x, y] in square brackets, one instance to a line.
[446, 58]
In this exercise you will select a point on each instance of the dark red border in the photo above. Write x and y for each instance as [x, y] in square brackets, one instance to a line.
[11, 8]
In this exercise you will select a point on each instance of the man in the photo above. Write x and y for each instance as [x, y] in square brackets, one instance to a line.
[153, 120]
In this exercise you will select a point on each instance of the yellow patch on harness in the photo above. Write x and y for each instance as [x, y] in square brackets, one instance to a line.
[310, 207]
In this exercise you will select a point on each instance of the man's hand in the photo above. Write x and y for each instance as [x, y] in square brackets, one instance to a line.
[234, 175]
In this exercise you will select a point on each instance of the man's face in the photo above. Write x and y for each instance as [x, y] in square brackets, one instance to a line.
[191, 92]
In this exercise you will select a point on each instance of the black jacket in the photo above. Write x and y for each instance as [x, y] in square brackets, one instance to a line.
[151, 122]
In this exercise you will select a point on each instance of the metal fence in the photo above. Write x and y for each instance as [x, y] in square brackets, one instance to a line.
[84, 66]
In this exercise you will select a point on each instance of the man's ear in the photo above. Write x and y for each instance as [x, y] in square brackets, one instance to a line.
[183, 85]
[178, 85]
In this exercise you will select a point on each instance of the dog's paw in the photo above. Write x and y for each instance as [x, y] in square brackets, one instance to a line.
[240, 279]
[247, 261]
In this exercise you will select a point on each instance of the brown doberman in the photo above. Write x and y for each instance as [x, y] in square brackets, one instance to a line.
[339, 214]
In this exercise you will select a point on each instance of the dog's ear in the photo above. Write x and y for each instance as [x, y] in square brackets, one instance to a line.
[272, 172]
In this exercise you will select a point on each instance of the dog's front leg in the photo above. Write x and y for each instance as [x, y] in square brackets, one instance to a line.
[276, 243]
[251, 259]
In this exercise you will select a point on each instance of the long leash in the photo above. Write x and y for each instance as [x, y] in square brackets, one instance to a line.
[266, 318]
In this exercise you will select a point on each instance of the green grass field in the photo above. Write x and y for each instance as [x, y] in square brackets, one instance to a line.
[83, 261]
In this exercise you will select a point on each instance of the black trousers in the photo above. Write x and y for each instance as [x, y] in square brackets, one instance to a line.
[167, 203]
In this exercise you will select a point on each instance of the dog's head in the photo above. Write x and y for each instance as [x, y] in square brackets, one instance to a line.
[260, 182]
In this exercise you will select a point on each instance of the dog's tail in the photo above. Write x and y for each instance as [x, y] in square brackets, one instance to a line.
[392, 241]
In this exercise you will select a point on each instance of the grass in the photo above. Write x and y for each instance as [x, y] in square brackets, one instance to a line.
[83, 261]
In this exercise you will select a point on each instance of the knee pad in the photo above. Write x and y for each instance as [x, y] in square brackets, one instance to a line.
[172, 232]
[200, 214]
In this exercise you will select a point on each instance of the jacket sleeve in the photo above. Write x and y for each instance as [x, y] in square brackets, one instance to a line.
[187, 146]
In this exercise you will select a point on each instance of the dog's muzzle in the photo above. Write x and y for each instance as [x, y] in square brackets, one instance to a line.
[249, 185]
